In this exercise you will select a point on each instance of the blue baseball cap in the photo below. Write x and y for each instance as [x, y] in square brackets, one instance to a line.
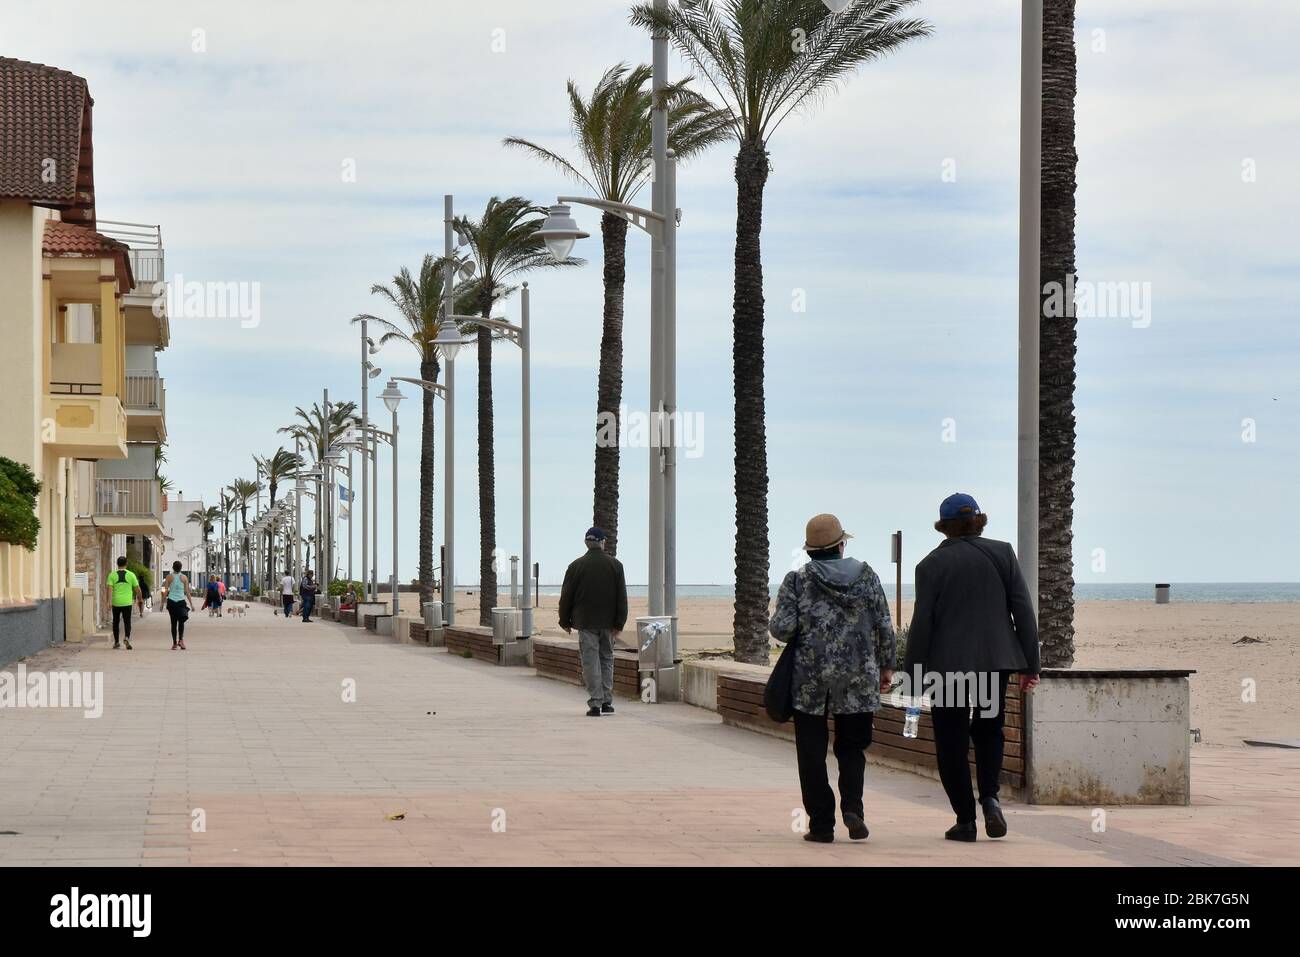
[595, 534]
[958, 505]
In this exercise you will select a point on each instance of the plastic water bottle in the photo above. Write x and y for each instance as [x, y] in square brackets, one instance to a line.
[912, 719]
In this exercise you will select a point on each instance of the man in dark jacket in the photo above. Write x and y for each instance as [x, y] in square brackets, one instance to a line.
[594, 600]
[973, 626]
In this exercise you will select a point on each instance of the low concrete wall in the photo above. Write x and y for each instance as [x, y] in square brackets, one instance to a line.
[1110, 737]
[700, 679]
[27, 629]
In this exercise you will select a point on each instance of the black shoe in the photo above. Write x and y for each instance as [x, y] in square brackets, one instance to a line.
[995, 825]
[606, 709]
[962, 831]
[820, 837]
[593, 712]
[117, 645]
[857, 827]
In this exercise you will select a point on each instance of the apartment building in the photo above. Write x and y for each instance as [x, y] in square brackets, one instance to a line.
[82, 320]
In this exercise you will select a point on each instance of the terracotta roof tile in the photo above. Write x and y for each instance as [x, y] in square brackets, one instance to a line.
[69, 240]
[42, 117]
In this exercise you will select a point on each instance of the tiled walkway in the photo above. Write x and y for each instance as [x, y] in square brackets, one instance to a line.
[494, 766]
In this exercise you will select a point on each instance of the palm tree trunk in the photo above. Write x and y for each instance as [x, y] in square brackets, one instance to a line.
[487, 502]
[752, 593]
[1058, 342]
[429, 373]
[609, 383]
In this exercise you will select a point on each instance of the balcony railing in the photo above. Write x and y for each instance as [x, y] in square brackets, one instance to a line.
[145, 252]
[144, 391]
[128, 498]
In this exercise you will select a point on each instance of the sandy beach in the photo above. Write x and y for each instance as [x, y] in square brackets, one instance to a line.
[1113, 634]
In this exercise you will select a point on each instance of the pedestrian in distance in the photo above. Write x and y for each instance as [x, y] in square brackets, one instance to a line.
[835, 609]
[593, 599]
[123, 590]
[176, 592]
[287, 585]
[308, 590]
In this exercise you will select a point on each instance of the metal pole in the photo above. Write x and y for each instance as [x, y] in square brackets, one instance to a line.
[396, 600]
[374, 515]
[659, 147]
[327, 553]
[670, 395]
[1031, 113]
[526, 458]
[449, 433]
[351, 509]
[365, 474]
[297, 514]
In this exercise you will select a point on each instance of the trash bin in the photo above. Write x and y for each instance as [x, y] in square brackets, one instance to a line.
[432, 614]
[505, 625]
[1162, 594]
[659, 676]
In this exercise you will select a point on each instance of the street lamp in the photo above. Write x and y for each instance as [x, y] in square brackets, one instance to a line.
[449, 341]
[392, 397]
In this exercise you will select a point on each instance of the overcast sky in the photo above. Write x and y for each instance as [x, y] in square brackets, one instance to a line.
[1187, 134]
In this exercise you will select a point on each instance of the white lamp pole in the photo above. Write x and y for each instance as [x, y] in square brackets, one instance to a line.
[392, 397]
[449, 427]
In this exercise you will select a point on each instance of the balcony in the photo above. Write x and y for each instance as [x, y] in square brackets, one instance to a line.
[146, 303]
[146, 406]
[128, 505]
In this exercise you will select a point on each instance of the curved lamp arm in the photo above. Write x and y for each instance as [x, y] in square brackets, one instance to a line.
[646, 220]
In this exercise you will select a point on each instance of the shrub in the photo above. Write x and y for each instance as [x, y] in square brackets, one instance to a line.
[142, 573]
[340, 587]
[18, 490]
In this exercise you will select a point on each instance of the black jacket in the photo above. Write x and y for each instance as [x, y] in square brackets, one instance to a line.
[594, 595]
[965, 619]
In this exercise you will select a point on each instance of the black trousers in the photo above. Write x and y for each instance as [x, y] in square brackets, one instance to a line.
[174, 609]
[955, 729]
[121, 613]
[852, 737]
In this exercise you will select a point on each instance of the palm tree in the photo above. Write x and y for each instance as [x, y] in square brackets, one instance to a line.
[206, 519]
[1059, 341]
[612, 134]
[418, 302]
[228, 506]
[243, 491]
[505, 246]
[744, 48]
[312, 429]
[277, 466]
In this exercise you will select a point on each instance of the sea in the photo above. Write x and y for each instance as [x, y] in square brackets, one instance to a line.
[1117, 591]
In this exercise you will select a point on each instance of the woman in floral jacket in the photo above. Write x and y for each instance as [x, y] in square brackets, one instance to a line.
[835, 608]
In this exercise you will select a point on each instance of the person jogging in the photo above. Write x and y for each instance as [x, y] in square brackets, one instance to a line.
[123, 590]
[176, 588]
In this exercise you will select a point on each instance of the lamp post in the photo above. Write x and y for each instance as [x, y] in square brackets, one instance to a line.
[392, 397]
[368, 371]
[449, 342]
[560, 232]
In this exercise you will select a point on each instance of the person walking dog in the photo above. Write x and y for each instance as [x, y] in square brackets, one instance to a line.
[835, 608]
[593, 599]
[974, 619]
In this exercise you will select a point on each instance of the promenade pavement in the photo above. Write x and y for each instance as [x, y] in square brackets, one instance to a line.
[248, 733]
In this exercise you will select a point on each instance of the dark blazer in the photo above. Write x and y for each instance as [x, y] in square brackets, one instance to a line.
[594, 595]
[965, 619]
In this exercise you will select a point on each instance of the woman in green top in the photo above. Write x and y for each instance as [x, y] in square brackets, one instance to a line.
[176, 589]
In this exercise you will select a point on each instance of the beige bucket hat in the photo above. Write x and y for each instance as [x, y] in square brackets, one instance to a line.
[823, 531]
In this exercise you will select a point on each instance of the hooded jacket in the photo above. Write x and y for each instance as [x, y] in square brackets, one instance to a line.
[837, 611]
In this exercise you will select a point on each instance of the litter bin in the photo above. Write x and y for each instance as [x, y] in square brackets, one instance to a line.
[432, 614]
[1162, 594]
[655, 663]
[505, 625]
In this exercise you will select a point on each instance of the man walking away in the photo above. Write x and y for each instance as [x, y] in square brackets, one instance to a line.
[973, 618]
[123, 591]
[308, 592]
[287, 585]
[594, 600]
